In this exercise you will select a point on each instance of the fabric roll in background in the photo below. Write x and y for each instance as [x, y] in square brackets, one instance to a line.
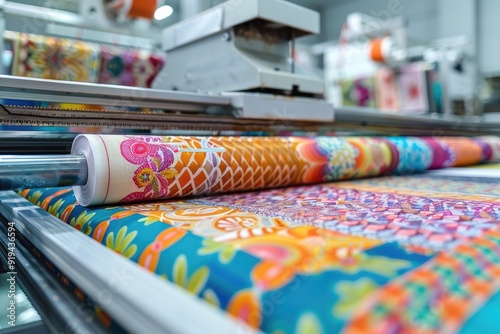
[124, 169]
[45, 57]
[127, 67]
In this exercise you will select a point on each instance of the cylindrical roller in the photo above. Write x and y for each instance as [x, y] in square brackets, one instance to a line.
[40, 171]
[111, 169]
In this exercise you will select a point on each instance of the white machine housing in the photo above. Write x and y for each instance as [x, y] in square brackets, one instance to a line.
[240, 46]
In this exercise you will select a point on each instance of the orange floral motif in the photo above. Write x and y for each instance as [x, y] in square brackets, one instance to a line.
[67, 212]
[151, 255]
[245, 306]
[269, 275]
[306, 249]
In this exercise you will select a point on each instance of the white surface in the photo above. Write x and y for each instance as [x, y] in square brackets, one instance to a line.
[237, 12]
[199, 27]
[488, 30]
[467, 172]
[423, 16]
[282, 108]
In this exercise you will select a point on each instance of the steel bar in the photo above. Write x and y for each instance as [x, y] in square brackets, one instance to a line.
[41, 171]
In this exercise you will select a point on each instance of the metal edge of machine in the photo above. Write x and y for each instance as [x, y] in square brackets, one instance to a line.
[59, 311]
[225, 111]
[119, 286]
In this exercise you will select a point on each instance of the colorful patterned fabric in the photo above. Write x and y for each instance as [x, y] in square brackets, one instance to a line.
[124, 169]
[359, 92]
[387, 90]
[129, 67]
[413, 88]
[56, 58]
[386, 255]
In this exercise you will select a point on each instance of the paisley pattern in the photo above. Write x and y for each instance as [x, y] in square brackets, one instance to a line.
[368, 256]
[169, 167]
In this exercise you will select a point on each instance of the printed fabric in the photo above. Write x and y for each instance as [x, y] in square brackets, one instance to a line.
[126, 169]
[391, 254]
[387, 90]
[56, 58]
[359, 92]
[413, 88]
[129, 67]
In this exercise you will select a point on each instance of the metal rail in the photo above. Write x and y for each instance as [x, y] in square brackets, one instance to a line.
[191, 111]
[407, 124]
[59, 309]
[42, 171]
[33, 89]
[26, 116]
[35, 142]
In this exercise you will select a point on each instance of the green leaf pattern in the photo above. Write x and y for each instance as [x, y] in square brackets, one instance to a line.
[122, 243]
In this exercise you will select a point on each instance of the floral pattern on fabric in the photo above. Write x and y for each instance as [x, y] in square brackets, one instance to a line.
[56, 58]
[240, 267]
[415, 155]
[393, 254]
[129, 67]
[171, 167]
[155, 170]
[341, 157]
[359, 92]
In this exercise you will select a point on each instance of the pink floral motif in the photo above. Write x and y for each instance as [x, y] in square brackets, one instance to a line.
[156, 167]
[136, 151]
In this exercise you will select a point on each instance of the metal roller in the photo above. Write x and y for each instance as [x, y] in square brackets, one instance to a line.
[41, 171]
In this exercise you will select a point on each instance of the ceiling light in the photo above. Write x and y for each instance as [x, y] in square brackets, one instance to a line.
[163, 12]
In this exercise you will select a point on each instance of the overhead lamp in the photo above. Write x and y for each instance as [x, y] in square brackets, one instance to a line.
[163, 12]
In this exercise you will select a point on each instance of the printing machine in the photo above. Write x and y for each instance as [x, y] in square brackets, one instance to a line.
[244, 81]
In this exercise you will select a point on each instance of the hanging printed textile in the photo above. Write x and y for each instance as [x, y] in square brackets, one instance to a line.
[124, 169]
[56, 58]
[137, 68]
[413, 88]
[359, 92]
[387, 90]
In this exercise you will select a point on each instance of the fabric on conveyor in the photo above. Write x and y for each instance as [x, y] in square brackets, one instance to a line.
[392, 254]
[124, 169]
